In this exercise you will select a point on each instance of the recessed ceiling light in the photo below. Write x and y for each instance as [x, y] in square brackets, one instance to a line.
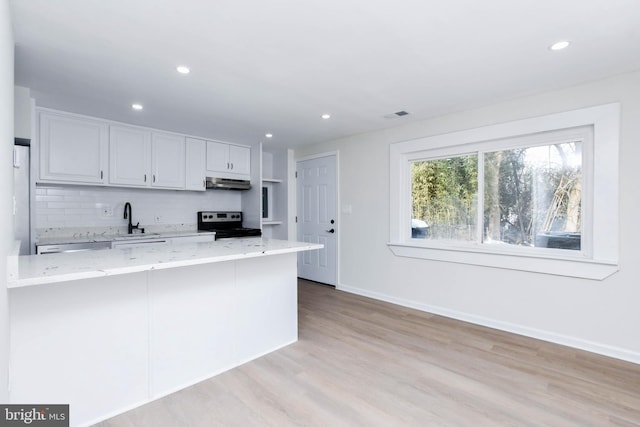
[268, 135]
[560, 45]
[326, 116]
[183, 69]
[136, 106]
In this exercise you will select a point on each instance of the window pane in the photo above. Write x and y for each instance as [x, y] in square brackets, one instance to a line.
[533, 196]
[444, 198]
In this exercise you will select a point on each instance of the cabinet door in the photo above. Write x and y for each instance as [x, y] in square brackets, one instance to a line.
[217, 157]
[195, 164]
[168, 160]
[228, 161]
[72, 149]
[129, 156]
[240, 160]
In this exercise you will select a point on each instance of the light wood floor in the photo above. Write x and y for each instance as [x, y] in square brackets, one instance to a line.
[361, 362]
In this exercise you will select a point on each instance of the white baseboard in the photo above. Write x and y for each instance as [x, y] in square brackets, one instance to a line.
[569, 341]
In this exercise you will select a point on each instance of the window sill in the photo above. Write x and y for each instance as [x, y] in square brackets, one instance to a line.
[579, 268]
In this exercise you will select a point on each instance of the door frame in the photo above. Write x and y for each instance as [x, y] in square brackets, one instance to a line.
[336, 154]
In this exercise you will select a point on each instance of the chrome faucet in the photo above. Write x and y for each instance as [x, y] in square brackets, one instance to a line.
[128, 215]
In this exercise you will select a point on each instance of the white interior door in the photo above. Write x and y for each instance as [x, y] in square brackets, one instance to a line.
[317, 221]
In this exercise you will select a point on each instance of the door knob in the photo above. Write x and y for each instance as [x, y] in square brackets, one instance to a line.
[330, 231]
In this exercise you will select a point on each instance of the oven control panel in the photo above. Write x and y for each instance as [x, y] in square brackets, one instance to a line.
[217, 217]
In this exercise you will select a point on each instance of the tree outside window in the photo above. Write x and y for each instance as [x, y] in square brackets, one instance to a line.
[532, 196]
[445, 197]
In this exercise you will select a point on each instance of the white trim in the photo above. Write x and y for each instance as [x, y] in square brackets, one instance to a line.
[566, 340]
[599, 258]
[318, 156]
[580, 268]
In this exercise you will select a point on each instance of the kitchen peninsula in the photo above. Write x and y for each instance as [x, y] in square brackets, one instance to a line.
[106, 331]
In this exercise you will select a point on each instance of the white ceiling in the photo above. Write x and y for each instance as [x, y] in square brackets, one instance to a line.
[275, 66]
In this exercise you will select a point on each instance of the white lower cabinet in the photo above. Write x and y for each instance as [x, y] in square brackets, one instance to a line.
[139, 243]
[149, 240]
[115, 342]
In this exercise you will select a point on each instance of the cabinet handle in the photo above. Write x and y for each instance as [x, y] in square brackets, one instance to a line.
[228, 165]
[154, 177]
[145, 177]
[101, 175]
[231, 166]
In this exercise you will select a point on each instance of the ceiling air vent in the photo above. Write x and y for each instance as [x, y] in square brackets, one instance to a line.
[397, 114]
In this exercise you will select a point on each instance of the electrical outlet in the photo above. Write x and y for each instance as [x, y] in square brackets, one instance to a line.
[157, 218]
[106, 210]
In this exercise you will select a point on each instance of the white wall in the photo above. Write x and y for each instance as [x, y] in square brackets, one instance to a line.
[83, 206]
[6, 183]
[22, 118]
[600, 316]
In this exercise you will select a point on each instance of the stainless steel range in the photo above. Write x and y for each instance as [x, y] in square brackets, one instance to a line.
[225, 224]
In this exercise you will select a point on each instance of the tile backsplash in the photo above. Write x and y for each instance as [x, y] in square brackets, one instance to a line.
[79, 206]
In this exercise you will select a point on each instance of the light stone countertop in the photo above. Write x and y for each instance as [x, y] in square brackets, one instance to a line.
[63, 267]
[61, 236]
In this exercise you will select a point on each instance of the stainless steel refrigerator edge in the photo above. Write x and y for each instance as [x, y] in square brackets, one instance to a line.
[22, 216]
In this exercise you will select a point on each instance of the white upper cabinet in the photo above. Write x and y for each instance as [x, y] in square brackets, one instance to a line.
[240, 159]
[141, 158]
[129, 156]
[73, 149]
[76, 149]
[196, 164]
[167, 160]
[217, 157]
[228, 160]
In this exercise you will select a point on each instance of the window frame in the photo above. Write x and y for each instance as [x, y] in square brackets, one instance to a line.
[598, 257]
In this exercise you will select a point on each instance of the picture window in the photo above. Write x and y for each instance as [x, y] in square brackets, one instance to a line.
[538, 194]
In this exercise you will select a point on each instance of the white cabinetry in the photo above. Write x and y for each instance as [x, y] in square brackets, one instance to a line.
[141, 158]
[277, 175]
[167, 160]
[139, 243]
[72, 149]
[240, 159]
[129, 156]
[75, 149]
[228, 160]
[196, 164]
[142, 241]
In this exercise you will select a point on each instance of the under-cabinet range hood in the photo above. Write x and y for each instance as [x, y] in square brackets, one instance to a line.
[227, 184]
